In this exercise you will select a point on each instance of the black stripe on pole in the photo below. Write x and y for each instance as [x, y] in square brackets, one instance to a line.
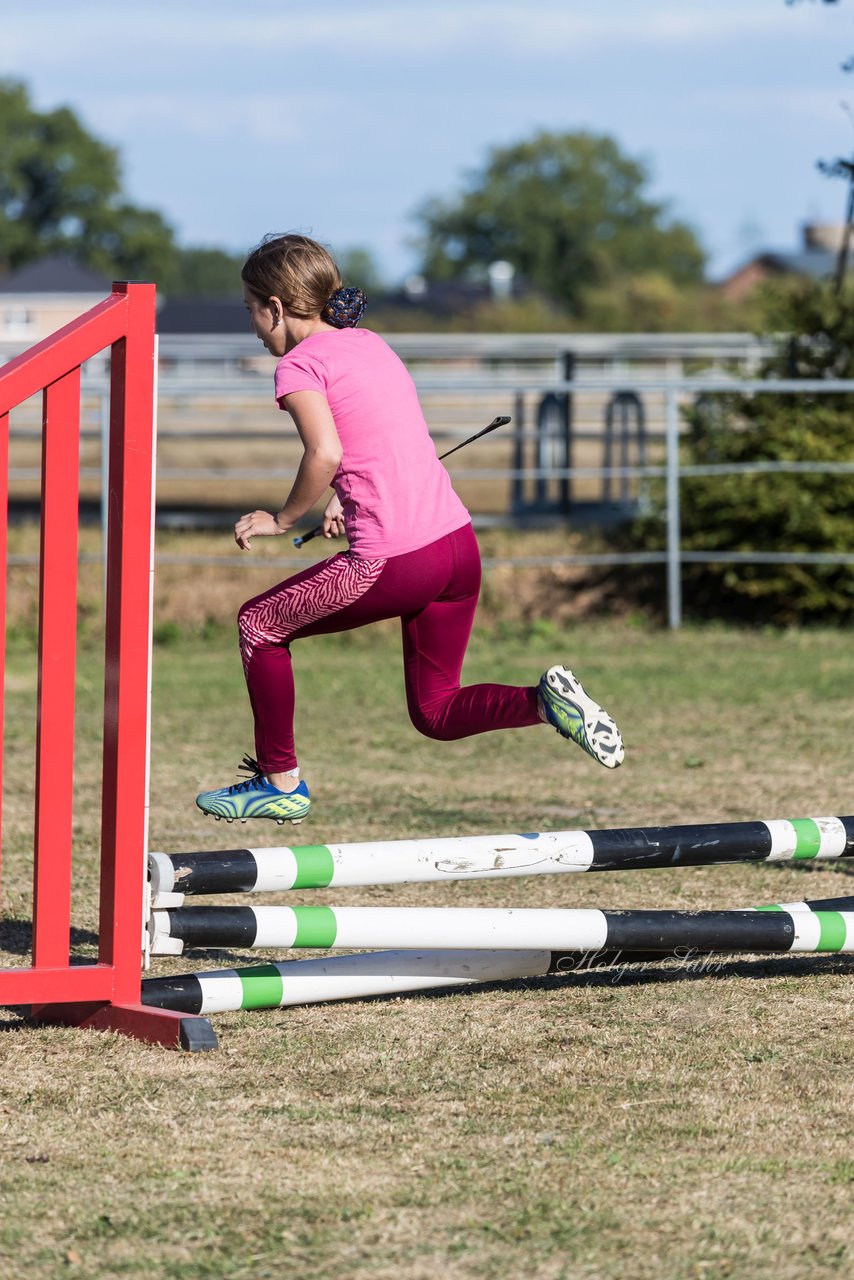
[228, 871]
[713, 930]
[689, 846]
[848, 824]
[213, 926]
[182, 993]
[831, 904]
[574, 961]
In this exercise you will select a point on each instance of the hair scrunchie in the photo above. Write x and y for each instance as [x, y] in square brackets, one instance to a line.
[345, 308]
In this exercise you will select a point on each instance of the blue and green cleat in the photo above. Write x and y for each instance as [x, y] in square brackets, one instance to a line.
[575, 715]
[255, 797]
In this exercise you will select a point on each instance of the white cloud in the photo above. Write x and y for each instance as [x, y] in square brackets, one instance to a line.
[267, 118]
[777, 103]
[551, 30]
[669, 25]
[376, 29]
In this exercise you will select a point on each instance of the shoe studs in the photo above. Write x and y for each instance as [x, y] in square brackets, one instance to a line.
[280, 822]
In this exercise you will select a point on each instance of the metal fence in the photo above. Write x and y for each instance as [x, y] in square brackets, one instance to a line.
[578, 414]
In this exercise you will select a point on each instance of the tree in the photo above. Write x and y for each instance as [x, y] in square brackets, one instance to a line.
[841, 167]
[568, 211]
[207, 273]
[359, 267]
[783, 511]
[60, 192]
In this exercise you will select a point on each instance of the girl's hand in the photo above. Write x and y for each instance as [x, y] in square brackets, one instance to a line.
[257, 524]
[333, 518]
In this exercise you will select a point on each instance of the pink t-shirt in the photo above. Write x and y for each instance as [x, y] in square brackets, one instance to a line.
[395, 492]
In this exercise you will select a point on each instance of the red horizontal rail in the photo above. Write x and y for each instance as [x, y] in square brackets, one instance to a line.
[40, 986]
[71, 345]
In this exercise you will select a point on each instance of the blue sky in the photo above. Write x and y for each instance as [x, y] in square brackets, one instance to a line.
[340, 118]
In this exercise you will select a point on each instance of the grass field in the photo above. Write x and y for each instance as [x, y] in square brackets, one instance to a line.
[685, 1124]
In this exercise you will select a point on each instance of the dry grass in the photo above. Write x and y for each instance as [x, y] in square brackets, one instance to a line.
[194, 596]
[686, 1124]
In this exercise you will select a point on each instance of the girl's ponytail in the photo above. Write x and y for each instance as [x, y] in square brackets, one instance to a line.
[345, 308]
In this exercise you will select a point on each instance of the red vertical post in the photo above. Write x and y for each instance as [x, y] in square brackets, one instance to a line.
[127, 643]
[57, 664]
[4, 547]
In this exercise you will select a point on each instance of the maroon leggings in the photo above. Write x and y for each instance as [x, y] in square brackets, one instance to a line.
[433, 591]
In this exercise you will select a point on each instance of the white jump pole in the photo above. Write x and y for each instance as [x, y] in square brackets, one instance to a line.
[176, 875]
[295, 982]
[558, 929]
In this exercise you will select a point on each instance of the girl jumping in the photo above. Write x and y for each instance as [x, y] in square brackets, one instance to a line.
[412, 553]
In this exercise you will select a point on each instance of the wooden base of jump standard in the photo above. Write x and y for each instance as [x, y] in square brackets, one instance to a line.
[154, 1026]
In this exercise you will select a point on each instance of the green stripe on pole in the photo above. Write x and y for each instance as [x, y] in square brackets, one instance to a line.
[832, 931]
[808, 837]
[262, 987]
[315, 867]
[316, 927]
[774, 907]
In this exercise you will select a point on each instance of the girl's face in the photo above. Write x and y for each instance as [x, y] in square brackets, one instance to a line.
[267, 321]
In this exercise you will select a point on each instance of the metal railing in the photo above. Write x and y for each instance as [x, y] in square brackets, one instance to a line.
[481, 394]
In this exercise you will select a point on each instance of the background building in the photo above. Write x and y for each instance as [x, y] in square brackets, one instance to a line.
[41, 297]
[814, 260]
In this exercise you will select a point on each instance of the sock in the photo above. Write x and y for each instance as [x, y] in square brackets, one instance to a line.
[289, 773]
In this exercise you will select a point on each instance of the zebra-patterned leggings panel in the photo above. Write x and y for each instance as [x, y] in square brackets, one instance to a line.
[434, 592]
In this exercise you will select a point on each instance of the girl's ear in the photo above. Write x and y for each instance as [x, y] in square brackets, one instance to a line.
[277, 311]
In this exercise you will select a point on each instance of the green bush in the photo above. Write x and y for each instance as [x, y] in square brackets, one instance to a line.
[783, 512]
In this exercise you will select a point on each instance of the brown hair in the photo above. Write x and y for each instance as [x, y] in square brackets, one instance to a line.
[298, 271]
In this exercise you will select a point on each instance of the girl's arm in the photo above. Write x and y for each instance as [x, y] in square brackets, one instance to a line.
[320, 460]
